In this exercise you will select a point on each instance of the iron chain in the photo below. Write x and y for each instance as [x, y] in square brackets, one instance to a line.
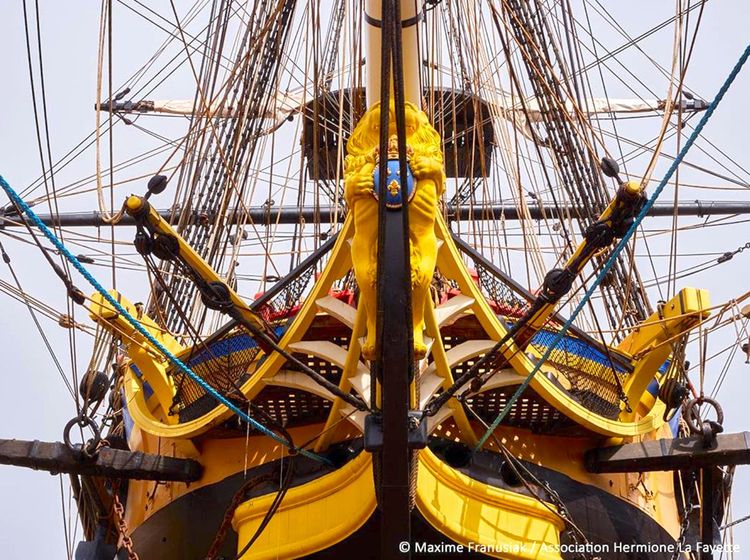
[240, 496]
[683, 534]
[119, 512]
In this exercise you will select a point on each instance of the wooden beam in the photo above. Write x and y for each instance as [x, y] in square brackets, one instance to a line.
[670, 454]
[56, 457]
[262, 215]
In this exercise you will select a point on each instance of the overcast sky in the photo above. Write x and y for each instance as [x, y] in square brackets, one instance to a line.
[35, 405]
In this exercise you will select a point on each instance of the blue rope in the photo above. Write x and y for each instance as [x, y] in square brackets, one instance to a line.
[620, 246]
[13, 195]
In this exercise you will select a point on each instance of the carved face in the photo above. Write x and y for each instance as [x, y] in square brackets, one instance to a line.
[366, 134]
[412, 120]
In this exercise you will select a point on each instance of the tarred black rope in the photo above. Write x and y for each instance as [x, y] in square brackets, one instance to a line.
[579, 177]
[251, 90]
[285, 485]
[399, 99]
[386, 39]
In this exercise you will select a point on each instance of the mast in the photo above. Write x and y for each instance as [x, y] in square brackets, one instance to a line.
[410, 42]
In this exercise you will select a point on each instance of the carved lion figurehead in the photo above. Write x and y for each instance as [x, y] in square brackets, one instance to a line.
[421, 135]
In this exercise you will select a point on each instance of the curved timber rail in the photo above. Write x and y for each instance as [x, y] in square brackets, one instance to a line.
[149, 420]
[450, 263]
[491, 520]
[313, 516]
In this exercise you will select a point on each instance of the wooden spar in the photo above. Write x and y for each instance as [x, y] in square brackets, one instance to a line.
[57, 457]
[326, 214]
[679, 454]
[670, 454]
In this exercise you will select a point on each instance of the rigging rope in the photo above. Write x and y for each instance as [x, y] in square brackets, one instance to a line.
[569, 141]
[13, 195]
[24, 298]
[620, 246]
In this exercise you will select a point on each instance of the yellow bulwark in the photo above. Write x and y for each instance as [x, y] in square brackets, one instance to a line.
[312, 516]
[484, 518]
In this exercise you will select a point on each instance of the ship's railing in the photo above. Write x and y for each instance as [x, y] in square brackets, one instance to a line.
[594, 374]
[594, 380]
[225, 359]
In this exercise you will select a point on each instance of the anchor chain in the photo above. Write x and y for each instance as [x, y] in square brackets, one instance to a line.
[684, 525]
[239, 497]
[122, 526]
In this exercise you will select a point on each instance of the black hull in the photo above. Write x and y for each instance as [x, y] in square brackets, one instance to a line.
[185, 529]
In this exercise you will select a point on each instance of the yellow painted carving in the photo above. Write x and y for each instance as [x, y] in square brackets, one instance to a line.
[313, 516]
[492, 520]
[649, 344]
[426, 162]
[150, 363]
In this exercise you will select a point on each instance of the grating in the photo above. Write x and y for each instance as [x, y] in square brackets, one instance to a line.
[593, 378]
[530, 411]
[292, 407]
[223, 363]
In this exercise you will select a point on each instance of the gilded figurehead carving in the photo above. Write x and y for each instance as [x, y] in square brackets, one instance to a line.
[422, 190]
